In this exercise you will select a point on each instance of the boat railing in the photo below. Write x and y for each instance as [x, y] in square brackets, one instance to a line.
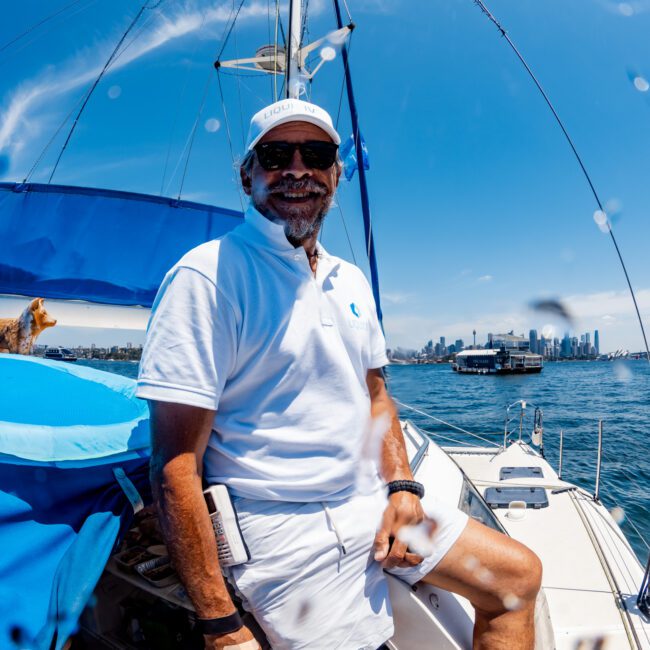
[516, 413]
[512, 415]
[450, 426]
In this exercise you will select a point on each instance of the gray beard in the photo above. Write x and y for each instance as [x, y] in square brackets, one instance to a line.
[299, 228]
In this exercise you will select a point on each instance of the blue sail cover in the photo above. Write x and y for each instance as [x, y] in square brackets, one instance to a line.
[63, 431]
[97, 245]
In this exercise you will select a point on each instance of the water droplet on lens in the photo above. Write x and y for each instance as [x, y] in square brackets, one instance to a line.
[625, 8]
[114, 92]
[548, 332]
[328, 53]
[484, 575]
[212, 125]
[618, 514]
[622, 372]
[471, 563]
[600, 217]
[417, 538]
[511, 602]
[303, 611]
[641, 84]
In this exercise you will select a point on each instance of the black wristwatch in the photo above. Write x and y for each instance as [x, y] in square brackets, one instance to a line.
[221, 625]
[406, 486]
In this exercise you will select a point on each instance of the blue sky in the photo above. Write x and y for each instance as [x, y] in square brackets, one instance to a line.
[478, 205]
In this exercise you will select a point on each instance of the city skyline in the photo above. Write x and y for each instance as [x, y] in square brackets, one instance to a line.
[541, 342]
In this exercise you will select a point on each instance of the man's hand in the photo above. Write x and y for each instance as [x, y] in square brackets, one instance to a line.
[404, 509]
[241, 639]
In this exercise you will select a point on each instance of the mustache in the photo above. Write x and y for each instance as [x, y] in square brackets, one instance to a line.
[304, 185]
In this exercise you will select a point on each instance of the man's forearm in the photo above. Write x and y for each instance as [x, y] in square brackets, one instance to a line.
[394, 459]
[189, 536]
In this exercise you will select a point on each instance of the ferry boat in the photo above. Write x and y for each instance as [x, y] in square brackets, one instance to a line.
[60, 354]
[500, 362]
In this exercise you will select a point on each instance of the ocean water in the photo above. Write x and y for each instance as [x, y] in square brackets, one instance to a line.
[573, 397]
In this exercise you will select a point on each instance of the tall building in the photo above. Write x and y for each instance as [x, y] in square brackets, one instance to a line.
[460, 346]
[532, 337]
[565, 349]
[597, 342]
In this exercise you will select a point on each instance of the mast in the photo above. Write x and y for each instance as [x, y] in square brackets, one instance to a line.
[292, 82]
[363, 186]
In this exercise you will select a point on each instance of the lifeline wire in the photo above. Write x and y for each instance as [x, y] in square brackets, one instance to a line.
[486, 11]
[96, 82]
[447, 424]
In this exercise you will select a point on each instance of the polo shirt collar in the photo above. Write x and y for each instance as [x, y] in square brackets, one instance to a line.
[267, 233]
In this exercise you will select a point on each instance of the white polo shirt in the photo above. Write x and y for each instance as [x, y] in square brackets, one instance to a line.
[241, 325]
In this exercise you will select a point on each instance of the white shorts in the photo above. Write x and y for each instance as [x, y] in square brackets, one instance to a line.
[300, 586]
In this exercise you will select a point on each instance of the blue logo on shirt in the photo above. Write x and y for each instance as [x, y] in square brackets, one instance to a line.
[355, 310]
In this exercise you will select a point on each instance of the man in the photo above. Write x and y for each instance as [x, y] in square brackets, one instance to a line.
[263, 370]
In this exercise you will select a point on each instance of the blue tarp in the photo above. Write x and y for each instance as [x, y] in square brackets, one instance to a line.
[61, 508]
[97, 245]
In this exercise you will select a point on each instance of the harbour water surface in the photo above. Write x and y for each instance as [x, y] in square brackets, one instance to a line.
[573, 397]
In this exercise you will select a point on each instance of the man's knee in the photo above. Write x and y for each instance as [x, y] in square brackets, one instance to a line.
[515, 587]
[493, 571]
[525, 577]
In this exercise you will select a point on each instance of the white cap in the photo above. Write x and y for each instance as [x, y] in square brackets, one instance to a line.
[289, 110]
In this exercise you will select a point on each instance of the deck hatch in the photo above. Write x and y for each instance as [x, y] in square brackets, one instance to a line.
[520, 472]
[500, 497]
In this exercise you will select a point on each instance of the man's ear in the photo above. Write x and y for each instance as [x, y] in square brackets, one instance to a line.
[339, 169]
[246, 181]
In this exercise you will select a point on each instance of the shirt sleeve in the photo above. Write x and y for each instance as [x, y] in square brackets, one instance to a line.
[191, 342]
[378, 358]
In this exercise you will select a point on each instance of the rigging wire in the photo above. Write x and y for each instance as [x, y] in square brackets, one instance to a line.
[199, 113]
[347, 11]
[268, 30]
[227, 122]
[241, 108]
[229, 30]
[275, 53]
[447, 424]
[38, 160]
[177, 114]
[338, 112]
[481, 5]
[30, 29]
[96, 82]
[347, 234]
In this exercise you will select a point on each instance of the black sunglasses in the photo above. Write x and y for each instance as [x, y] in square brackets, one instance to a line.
[316, 154]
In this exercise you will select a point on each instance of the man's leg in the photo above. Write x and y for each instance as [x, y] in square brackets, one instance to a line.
[501, 578]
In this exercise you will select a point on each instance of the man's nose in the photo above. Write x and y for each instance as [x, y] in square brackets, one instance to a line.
[297, 167]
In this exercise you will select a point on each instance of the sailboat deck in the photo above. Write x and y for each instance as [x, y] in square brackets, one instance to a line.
[587, 560]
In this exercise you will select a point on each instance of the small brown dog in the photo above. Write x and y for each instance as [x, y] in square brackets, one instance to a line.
[17, 335]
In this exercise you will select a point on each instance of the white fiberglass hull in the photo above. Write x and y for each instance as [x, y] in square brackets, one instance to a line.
[591, 574]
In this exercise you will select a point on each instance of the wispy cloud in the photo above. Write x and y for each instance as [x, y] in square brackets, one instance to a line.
[32, 106]
[395, 298]
[486, 278]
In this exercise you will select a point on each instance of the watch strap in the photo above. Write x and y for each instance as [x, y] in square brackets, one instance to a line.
[220, 625]
[406, 486]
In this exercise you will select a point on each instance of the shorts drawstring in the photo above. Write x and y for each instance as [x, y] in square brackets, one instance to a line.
[330, 521]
